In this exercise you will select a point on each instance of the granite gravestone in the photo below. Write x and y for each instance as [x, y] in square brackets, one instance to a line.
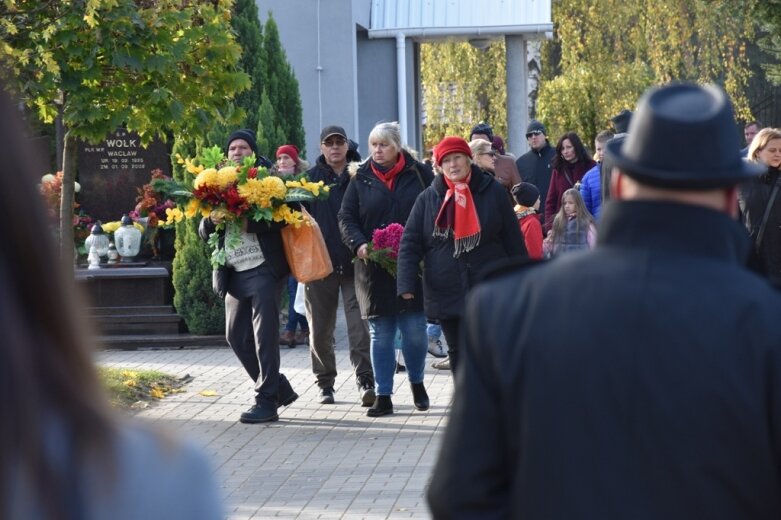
[111, 172]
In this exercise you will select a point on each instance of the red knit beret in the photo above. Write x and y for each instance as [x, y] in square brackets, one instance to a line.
[450, 145]
[289, 149]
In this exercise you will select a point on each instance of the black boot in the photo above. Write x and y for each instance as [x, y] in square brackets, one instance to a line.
[419, 396]
[382, 406]
[287, 395]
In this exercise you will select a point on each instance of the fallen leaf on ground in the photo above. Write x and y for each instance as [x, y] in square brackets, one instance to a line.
[208, 393]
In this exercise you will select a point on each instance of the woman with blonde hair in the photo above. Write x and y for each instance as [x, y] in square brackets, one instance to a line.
[484, 155]
[760, 204]
[381, 192]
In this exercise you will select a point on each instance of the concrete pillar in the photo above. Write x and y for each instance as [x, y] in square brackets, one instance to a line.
[517, 113]
[401, 82]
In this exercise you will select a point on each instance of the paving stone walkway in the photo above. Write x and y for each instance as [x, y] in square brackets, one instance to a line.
[318, 461]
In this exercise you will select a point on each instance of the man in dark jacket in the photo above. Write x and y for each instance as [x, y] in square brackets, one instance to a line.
[534, 166]
[251, 283]
[637, 380]
[322, 296]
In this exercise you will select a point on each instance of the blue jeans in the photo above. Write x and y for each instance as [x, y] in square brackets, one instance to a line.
[294, 319]
[414, 345]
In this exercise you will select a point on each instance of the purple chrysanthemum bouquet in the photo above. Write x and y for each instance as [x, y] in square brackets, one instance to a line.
[384, 246]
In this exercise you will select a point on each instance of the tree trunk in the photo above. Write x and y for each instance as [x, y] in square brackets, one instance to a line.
[66, 201]
[59, 131]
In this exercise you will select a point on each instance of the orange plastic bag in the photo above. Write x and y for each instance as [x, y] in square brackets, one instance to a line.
[306, 252]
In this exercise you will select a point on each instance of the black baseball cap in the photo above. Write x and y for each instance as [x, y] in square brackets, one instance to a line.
[328, 131]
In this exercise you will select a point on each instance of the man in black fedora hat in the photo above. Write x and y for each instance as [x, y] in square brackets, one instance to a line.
[661, 397]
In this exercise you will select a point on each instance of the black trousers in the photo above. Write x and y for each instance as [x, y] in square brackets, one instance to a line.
[252, 328]
[451, 328]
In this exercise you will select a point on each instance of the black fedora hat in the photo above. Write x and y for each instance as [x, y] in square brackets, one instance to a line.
[683, 136]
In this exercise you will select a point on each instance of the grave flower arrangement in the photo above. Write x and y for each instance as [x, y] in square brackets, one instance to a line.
[150, 211]
[383, 248]
[219, 187]
[51, 190]
[150, 204]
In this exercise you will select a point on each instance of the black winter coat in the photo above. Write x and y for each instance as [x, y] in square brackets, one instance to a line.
[535, 167]
[325, 213]
[638, 380]
[269, 238]
[447, 279]
[369, 205]
[753, 197]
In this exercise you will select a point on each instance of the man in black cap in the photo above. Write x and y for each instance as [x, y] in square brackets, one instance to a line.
[534, 166]
[637, 380]
[251, 282]
[242, 143]
[322, 296]
[621, 121]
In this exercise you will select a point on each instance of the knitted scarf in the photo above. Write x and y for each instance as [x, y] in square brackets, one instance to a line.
[458, 216]
[389, 176]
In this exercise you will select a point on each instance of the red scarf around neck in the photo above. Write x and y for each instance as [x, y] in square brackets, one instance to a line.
[458, 215]
[388, 177]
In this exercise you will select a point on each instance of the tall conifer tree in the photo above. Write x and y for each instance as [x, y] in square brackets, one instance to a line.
[281, 85]
[249, 35]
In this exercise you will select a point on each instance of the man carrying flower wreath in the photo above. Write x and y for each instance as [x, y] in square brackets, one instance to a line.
[251, 282]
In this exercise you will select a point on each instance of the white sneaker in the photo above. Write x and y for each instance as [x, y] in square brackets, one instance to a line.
[441, 365]
[435, 348]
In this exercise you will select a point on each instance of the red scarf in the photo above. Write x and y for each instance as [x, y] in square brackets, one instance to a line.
[458, 216]
[388, 177]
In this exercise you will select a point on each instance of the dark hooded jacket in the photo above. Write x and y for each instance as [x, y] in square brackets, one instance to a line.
[369, 205]
[325, 211]
[447, 279]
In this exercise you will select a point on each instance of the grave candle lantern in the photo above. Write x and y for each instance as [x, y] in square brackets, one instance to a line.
[127, 239]
[97, 238]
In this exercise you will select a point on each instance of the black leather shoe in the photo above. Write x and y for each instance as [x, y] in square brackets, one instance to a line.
[287, 395]
[327, 395]
[382, 406]
[259, 413]
[419, 396]
[367, 395]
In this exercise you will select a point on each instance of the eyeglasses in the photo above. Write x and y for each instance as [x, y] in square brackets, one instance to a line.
[334, 142]
[533, 133]
[490, 154]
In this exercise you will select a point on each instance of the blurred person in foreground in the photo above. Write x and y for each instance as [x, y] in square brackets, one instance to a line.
[668, 405]
[65, 453]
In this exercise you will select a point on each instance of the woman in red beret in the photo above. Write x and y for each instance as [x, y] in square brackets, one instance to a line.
[458, 225]
[289, 163]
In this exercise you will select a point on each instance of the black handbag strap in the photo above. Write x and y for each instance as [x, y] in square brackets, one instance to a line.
[420, 177]
[766, 216]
